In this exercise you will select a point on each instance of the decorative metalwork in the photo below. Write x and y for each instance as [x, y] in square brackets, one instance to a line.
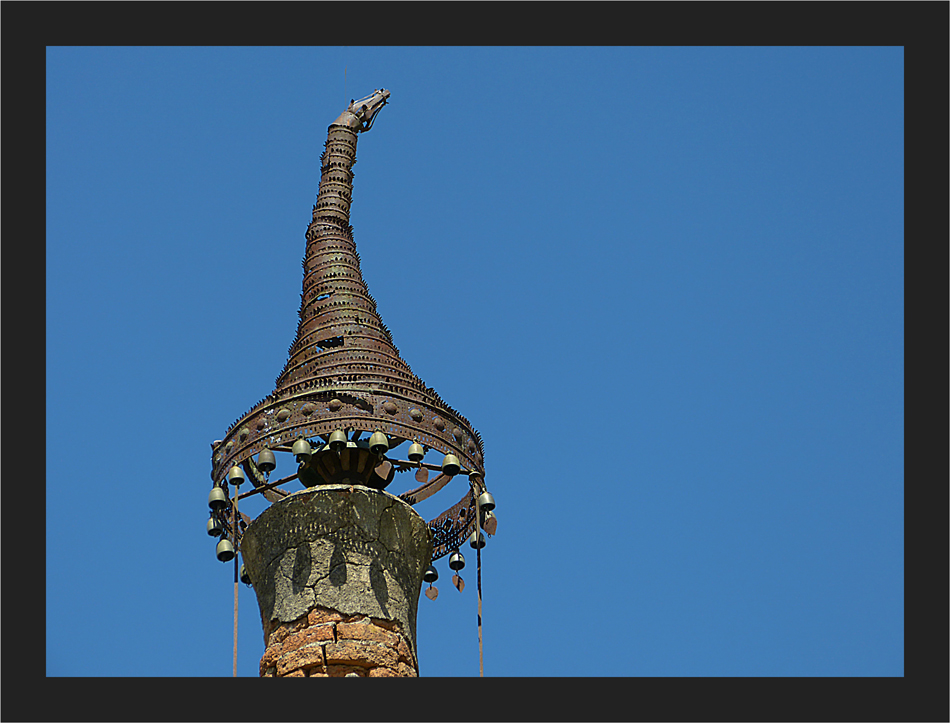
[344, 372]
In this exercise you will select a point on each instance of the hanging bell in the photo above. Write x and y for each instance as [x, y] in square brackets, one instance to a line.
[477, 539]
[450, 465]
[214, 526]
[486, 501]
[338, 440]
[378, 443]
[431, 575]
[416, 452]
[266, 461]
[244, 576]
[302, 451]
[236, 476]
[217, 498]
[456, 561]
[225, 550]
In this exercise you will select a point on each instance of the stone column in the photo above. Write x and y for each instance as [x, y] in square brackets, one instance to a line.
[337, 570]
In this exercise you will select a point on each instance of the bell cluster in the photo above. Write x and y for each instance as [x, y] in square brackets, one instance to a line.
[477, 541]
[219, 502]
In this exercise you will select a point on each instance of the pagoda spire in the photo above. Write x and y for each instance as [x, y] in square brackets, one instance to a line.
[337, 313]
[344, 379]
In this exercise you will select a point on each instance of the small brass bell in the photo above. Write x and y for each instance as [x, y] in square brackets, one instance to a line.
[486, 501]
[302, 450]
[244, 576]
[416, 452]
[214, 526]
[450, 465]
[225, 550]
[217, 498]
[236, 476]
[338, 440]
[266, 461]
[431, 575]
[378, 443]
[477, 539]
[456, 561]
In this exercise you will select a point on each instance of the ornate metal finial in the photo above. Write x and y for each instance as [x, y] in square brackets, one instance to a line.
[360, 114]
[345, 388]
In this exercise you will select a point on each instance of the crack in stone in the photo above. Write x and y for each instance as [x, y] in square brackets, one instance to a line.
[369, 541]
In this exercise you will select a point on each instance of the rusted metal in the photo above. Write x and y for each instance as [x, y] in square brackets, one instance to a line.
[426, 490]
[270, 486]
[343, 370]
[452, 527]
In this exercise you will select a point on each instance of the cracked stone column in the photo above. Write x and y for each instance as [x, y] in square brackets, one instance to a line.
[337, 570]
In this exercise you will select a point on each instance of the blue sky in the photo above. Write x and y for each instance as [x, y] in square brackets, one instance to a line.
[665, 285]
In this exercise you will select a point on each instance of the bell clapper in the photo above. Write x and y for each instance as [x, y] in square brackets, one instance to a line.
[430, 576]
[456, 563]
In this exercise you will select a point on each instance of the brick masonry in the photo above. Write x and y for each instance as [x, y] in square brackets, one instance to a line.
[327, 643]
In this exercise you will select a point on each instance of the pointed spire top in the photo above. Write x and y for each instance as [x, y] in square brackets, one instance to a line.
[361, 113]
[345, 387]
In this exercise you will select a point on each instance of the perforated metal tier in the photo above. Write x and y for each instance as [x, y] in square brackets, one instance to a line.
[343, 370]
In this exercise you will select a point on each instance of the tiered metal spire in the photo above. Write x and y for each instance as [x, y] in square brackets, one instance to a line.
[345, 378]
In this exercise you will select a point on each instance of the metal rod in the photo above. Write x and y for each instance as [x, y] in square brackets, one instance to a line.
[395, 462]
[268, 486]
[428, 465]
[478, 584]
[235, 530]
[481, 659]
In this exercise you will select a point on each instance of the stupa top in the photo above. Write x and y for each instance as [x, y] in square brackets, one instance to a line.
[346, 399]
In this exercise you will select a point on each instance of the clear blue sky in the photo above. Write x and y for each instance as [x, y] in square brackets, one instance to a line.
[665, 284]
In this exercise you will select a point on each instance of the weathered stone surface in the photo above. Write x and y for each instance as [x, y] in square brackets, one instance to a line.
[290, 636]
[392, 625]
[317, 634]
[343, 671]
[383, 673]
[304, 657]
[364, 631]
[363, 653]
[406, 671]
[322, 615]
[384, 640]
[403, 651]
[338, 553]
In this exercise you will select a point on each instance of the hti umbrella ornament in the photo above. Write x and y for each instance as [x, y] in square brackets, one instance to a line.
[345, 401]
